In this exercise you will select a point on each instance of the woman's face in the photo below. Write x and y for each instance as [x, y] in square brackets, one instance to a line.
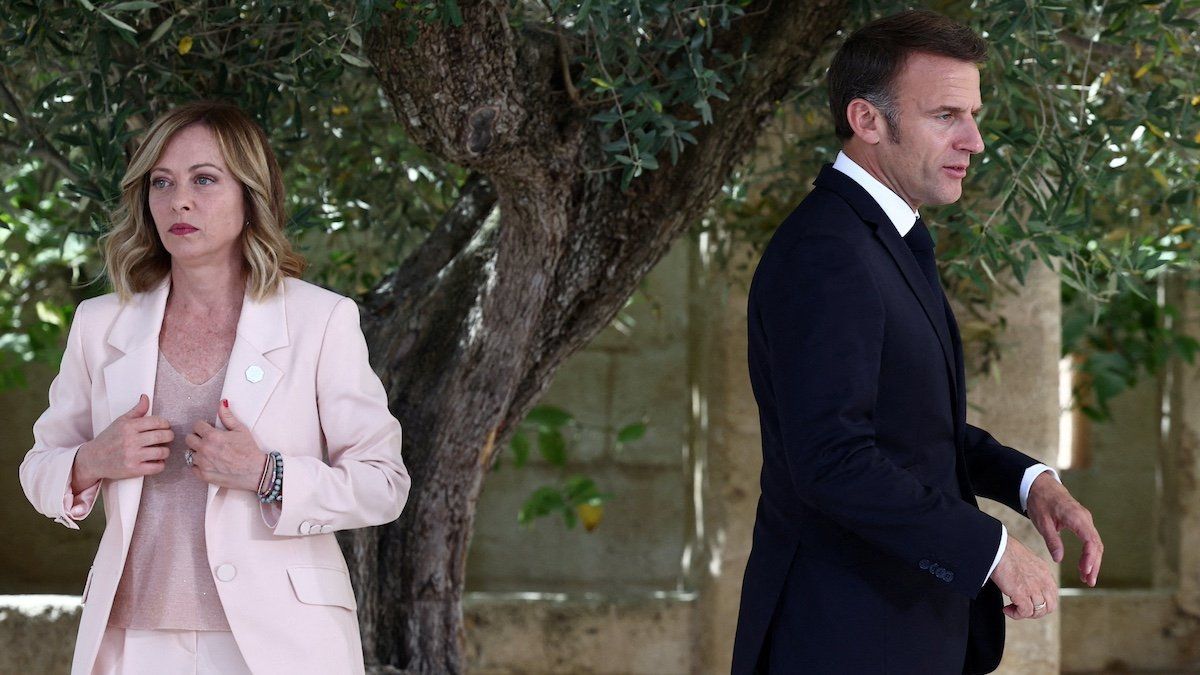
[198, 206]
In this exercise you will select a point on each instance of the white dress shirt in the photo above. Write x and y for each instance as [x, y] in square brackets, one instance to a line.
[904, 217]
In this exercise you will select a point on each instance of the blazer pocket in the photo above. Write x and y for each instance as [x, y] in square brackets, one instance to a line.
[87, 586]
[322, 586]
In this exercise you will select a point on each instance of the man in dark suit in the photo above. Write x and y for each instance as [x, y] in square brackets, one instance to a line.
[870, 553]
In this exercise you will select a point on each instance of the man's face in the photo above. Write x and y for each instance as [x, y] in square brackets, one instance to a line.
[937, 98]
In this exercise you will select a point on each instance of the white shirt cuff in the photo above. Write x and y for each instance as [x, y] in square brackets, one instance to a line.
[999, 553]
[1030, 475]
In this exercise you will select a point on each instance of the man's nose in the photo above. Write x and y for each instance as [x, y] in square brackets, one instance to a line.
[972, 139]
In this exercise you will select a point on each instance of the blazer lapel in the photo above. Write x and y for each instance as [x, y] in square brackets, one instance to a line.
[869, 210]
[932, 306]
[250, 378]
[135, 334]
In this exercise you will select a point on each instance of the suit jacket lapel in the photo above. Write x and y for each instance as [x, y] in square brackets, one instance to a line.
[869, 210]
[250, 378]
[135, 334]
[960, 416]
[932, 306]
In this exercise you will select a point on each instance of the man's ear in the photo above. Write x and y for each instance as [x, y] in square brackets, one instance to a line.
[866, 120]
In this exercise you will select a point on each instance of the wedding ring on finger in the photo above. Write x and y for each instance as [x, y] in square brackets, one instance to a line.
[1039, 607]
[187, 456]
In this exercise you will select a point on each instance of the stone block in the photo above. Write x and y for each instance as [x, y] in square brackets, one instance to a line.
[638, 544]
[37, 633]
[1127, 631]
[51, 558]
[510, 635]
[1125, 525]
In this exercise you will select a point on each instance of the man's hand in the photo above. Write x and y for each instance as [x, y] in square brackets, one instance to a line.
[1052, 509]
[1027, 581]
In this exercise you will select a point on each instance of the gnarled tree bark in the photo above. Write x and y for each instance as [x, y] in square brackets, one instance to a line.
[537, 256]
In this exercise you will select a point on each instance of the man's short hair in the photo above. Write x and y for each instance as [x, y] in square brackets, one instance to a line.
[869, 62]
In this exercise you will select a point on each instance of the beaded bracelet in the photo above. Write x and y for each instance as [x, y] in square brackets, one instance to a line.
[274, 493]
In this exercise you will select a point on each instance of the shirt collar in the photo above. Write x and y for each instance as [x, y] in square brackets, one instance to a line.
[897, 210]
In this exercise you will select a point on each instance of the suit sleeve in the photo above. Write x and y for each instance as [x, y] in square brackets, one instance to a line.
[822, 318]
[365, 482]
[59, 431]
[996, 470]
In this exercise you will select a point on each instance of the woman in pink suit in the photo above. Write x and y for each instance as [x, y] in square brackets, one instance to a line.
[227, 412]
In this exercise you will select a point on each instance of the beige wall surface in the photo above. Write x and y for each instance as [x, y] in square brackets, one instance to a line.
[1124, 461]
[1019, 406]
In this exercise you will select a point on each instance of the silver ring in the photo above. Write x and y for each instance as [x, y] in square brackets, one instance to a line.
[187, 456]
[1038, 608]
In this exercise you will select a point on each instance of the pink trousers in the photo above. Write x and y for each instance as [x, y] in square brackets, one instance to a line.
[127, 651]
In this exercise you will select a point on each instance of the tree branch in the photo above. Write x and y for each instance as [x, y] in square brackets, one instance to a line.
[41, 145]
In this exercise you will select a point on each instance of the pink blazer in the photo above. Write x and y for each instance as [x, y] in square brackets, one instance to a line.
[299, 378]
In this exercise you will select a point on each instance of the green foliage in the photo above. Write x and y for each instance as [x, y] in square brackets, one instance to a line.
[555, 431]
[1090, 166]
[651, 70]
[80, 80]
[577, 493]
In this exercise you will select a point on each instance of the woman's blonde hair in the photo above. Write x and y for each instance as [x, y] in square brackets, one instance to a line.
[134, 255]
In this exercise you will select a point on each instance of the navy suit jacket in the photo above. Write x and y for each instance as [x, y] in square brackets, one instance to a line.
[869, 548]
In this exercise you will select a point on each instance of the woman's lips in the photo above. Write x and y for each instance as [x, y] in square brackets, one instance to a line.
[182, 229]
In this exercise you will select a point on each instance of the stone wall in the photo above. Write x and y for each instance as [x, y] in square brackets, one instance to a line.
[51, 558]
[635, 372]
[1123, 460]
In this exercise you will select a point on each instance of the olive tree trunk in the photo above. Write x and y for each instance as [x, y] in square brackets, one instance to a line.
[536, 257]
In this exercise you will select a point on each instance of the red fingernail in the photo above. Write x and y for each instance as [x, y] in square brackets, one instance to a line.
[225, 402]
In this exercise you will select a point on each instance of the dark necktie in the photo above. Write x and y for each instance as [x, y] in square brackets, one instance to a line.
[921, 245]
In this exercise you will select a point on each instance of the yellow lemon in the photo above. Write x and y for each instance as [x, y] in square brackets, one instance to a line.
[590, 515]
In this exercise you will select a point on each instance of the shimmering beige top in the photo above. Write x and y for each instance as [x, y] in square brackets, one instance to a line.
[167, 583]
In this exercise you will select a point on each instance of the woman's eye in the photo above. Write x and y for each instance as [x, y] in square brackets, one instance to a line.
[159, 183]
[205, 180]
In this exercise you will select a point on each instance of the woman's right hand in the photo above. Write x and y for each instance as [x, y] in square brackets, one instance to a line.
[135, 444]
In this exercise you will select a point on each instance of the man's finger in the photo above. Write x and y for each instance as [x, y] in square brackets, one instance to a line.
[1054, 543]
[1089, 561]
[1016, 611]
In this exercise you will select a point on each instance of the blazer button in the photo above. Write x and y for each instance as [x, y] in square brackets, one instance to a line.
[226, 572]
[305, 527]
[924, 564]
[949, 576]
[326, 528]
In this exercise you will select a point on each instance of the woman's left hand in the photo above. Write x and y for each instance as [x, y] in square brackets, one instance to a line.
[226, 458]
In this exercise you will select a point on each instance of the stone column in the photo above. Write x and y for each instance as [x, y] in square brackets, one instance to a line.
[729, 457]
[1181, 492]
[1019, 405]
